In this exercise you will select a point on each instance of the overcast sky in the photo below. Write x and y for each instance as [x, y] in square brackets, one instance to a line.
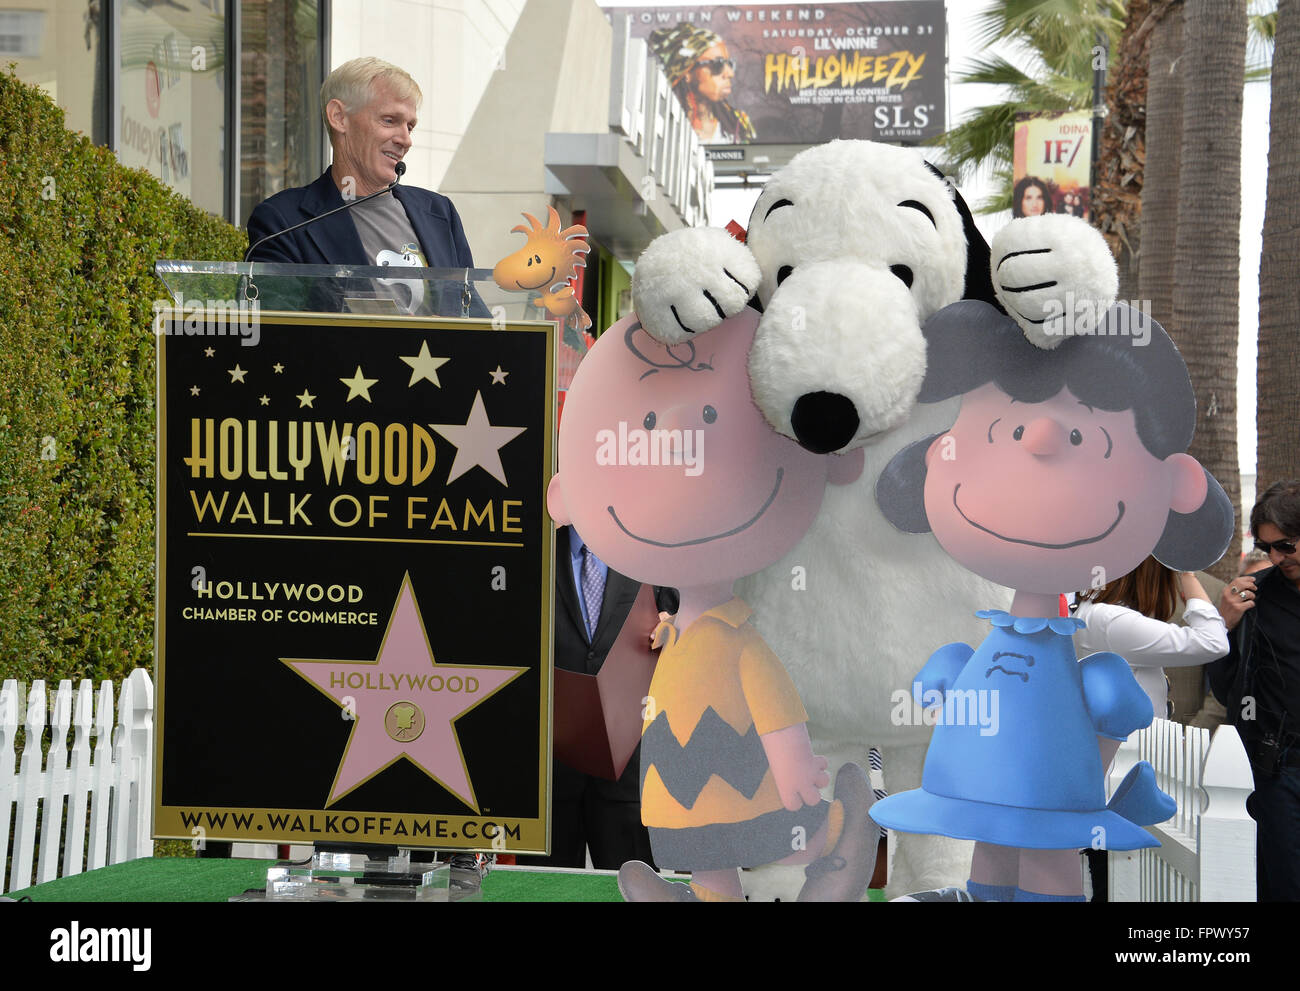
[736, 204]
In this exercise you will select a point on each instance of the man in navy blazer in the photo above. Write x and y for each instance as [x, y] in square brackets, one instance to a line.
[335, 241]
[370, 109]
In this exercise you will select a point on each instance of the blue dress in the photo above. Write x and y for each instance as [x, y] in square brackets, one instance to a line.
[1014, 758]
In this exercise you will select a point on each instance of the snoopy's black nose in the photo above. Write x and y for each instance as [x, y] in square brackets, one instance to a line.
[824, 421]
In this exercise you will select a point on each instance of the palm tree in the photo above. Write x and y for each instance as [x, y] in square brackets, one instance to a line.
[1278, 376]
[1163, 141]
[1204, 320]
[1121, 158]
[1055, 43]
[1118, 183]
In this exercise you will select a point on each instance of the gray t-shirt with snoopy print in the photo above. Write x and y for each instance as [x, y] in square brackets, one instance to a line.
[389, 240]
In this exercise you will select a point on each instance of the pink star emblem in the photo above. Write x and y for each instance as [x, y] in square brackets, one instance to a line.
[406, 704]
[478, 442]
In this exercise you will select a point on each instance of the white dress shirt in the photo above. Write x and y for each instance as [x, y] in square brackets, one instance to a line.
[1150, 645]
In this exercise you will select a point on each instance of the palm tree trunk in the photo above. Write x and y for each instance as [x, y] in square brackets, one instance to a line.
[1277, 414]
[1164, 137]
[1117, 192]
[1205, 318]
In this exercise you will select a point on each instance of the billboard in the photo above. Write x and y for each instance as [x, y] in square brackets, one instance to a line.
[802, 74]
[1052, 163]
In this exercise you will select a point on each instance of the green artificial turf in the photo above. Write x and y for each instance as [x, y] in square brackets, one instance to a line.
[177, 879]
[187, 879]
[161, 879]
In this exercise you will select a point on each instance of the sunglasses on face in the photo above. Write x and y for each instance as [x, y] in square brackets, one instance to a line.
[716, 65]
[1281, 546]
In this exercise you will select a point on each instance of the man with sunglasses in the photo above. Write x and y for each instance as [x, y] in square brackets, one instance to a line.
[1259, 683]
[700, 71]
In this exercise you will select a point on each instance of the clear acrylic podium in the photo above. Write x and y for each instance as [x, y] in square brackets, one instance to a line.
[389, 291]
[377, 872]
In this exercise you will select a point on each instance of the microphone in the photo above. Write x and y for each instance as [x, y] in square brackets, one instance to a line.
[399, 169]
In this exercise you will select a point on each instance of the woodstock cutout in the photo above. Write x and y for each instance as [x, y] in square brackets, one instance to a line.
[547, 264]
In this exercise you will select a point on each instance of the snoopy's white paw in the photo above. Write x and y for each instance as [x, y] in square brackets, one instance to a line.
[689, 281]
[1054, 274]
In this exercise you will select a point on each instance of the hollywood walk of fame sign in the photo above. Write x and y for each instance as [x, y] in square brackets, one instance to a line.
[354, 582]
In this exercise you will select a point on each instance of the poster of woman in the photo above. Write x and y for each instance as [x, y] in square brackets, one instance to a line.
[1052, 164]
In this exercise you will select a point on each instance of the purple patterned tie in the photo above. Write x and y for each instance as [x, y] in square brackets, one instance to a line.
[593, 589]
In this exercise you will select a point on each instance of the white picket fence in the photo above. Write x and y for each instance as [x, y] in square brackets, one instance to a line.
[101, 793]
[1207, 850]
[90, 806]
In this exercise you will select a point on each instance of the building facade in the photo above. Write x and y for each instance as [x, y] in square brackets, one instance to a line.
[527, 104]
[216, 98]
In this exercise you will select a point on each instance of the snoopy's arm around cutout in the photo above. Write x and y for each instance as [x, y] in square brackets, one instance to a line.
[1054, 275]
[687, 282]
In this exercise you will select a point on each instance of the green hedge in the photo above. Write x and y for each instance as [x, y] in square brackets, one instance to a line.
[79, 235]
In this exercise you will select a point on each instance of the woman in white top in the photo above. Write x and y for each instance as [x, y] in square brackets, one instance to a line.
[1131, 616]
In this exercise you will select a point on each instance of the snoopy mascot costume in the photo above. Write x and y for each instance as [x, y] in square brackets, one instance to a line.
[850, 249]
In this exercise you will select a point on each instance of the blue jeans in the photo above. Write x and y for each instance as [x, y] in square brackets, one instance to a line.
[1275, 807]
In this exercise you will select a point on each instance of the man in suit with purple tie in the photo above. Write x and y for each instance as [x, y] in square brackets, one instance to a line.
[592, 602]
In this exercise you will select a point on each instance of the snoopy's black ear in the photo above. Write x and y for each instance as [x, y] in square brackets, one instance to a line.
[979, 281]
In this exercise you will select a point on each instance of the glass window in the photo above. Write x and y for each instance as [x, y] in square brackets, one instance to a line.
[281, 133]
[20, 32]
[172, 90]
[59, 45]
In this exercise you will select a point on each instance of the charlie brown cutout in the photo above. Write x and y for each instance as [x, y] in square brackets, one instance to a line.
[1065, 467]
[672, 476]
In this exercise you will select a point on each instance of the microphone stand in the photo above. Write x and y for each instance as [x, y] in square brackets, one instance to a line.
[246, 282]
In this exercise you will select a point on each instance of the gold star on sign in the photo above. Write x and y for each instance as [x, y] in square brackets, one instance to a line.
[277, 368]
[265, 400]
[236, 374]
[305, 399]
[498, 376]
[358, 385]
[209, 352]
[424, 365]
[194, 390]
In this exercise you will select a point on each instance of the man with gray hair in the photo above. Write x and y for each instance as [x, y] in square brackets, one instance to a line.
[370, 109]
